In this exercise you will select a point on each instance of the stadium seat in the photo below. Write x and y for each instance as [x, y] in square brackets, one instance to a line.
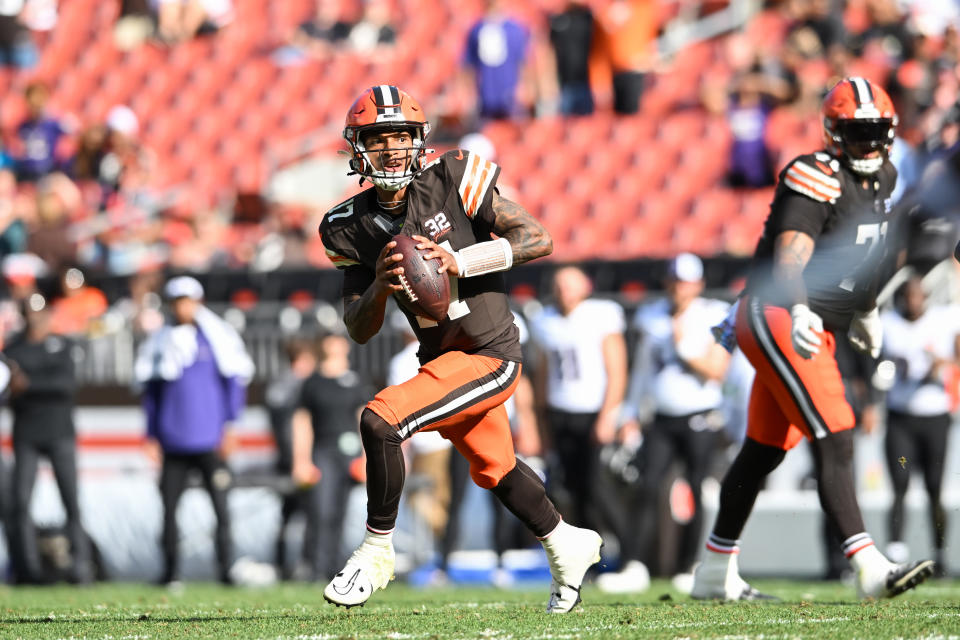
[715, 207]
[642, 239]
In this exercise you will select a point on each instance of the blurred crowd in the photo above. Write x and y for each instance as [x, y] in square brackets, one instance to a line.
[81, 193]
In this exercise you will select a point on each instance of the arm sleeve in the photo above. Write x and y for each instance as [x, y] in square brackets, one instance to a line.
[151, 406]
[470, 58]
[303, 399]
[236, 397]
[356, 280]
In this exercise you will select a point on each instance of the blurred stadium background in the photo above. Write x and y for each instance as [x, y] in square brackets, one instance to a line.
[227, 146]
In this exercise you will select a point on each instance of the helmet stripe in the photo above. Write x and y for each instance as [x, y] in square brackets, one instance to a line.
[382, 94]
[387, 98]
[862, 91]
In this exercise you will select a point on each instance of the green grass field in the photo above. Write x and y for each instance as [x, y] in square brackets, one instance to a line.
[297, 611]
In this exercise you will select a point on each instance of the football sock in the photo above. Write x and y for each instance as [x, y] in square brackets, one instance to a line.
[741, 486]
[385, 471]
[835, 484]
[866, 559]
[522, 492]
[856, 543]
[378, 539]
[717, 544]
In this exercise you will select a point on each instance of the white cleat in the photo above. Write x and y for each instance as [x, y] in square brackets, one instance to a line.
[368, 569]
[633, 578]
[718, 578]
[570, 552]
[894, 581]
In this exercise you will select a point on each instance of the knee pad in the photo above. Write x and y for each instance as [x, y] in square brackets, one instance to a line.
[374, 428]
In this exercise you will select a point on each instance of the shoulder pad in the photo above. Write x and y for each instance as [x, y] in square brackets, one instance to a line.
[814, 177]
[475, 177]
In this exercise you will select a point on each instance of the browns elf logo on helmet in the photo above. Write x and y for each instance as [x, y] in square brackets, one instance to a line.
[859, 123]
[386, 108]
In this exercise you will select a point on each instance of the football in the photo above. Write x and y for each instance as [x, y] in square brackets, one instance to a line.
[425, 292]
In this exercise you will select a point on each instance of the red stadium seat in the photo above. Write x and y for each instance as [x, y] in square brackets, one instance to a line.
[680, 129]
[714, 208]
[642, 239]
[692, 235]
[739, 237]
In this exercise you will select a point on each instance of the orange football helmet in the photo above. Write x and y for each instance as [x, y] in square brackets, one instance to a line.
[379, 108]
[858, 118]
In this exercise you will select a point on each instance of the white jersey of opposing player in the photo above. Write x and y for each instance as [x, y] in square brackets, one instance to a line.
[659, 379]
[912, 345]
[573, 344]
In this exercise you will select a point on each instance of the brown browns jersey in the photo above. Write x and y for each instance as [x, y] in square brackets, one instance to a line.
[848, 216]
[450, 202]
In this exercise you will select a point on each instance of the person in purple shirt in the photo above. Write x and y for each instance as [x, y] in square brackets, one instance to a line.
[194, 374]
[38, 136]
[496, 52]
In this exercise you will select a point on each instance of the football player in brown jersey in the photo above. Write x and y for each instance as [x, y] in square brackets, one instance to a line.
[470, 360]
[815, 276]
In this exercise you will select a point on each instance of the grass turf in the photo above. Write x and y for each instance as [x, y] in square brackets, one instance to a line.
[297, 611]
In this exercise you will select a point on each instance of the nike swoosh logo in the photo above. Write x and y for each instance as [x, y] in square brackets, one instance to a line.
[349, 586]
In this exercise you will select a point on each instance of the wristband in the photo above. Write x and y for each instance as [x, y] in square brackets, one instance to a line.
[484, 257]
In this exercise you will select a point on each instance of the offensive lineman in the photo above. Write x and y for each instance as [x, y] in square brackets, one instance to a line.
[470, 360]
[814, 278]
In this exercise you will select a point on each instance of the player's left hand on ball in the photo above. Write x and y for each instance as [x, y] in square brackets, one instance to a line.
[448, 263]
[866, 332]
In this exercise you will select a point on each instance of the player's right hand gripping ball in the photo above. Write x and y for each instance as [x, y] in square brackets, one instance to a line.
[425, 292]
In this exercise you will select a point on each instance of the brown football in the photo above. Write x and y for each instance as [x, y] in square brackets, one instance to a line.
[425, 292]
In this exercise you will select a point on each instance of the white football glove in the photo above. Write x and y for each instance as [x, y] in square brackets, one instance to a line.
[803, 333]
[866, 332]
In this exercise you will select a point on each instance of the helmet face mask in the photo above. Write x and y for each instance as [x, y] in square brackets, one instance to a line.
[372, 163]
[859, 124]
[379, 110]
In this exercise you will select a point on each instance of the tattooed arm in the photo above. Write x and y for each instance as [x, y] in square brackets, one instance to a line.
[791, 252]
[363, 313]
[527, 237]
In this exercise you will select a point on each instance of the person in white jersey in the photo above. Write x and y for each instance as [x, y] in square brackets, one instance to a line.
[923, 342]
[675, 398]
[580, 382]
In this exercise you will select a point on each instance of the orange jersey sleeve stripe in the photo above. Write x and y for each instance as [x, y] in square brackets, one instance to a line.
[466, 184]
[475, 200]
[476, 180]
[822, 180]
[808, 189]
[339, 260]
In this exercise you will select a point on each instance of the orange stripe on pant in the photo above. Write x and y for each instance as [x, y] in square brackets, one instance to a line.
[462, 397]
[791, 397]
